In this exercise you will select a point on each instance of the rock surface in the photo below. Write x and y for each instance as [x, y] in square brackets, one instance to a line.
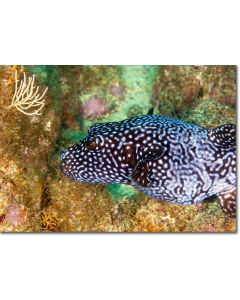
[36, 197]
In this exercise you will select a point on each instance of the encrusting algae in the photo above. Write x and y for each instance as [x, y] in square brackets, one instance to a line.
[50, 220]
[36, 197]
[25, 145]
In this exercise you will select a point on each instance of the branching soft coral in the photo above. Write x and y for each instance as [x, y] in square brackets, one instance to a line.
[26, 97]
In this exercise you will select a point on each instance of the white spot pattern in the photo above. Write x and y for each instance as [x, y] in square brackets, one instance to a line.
[196, 163]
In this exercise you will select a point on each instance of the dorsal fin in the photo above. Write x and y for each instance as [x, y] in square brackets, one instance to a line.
[150, 112]
[228, 202]
[224, 135]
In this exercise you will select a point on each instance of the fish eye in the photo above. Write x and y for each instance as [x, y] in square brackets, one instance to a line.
[91, 145]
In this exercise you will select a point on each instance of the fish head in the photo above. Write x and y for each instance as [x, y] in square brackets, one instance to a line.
[114, 152]
[98, 158]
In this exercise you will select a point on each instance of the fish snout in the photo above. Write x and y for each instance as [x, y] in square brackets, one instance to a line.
[61, 167]
[63, 154]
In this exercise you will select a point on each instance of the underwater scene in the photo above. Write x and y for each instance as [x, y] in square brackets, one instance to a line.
[118, 148]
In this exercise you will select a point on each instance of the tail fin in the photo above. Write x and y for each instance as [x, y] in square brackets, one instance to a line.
[228, 201]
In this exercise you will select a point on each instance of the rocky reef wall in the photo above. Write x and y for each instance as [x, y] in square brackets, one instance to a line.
[36, 197]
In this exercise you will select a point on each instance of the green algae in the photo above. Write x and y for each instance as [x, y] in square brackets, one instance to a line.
[73, 135]
[120, 191]
[139, 82]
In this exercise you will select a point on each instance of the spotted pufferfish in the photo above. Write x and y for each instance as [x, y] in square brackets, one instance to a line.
[163, 157]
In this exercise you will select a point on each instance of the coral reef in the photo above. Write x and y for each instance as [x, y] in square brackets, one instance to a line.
[82, 207]
[36, 197]
[26, 144]
[178, 87]
[159, 216]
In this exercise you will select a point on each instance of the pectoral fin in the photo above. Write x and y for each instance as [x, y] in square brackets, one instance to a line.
[228, 201]
[142, 171]
[153, 151]
[129, 152]
[140, 174]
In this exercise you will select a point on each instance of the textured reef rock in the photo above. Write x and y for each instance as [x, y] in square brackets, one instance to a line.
[95, 107]
[36, 196]
[26, 142]
[178, 87]
[80, 207]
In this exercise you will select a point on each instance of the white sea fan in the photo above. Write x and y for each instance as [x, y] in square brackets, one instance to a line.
[26, 97]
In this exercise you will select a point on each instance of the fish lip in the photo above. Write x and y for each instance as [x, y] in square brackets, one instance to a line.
[61, 167]
[63, 153]
[71, 175]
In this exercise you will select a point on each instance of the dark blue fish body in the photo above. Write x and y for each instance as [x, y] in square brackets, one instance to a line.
[163, 157]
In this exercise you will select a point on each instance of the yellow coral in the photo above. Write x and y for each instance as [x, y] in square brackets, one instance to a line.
[49, 221]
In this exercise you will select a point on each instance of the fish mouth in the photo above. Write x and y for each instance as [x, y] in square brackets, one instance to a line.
[65, 170]
[61, 167]
[64, 166]
[63, 153]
